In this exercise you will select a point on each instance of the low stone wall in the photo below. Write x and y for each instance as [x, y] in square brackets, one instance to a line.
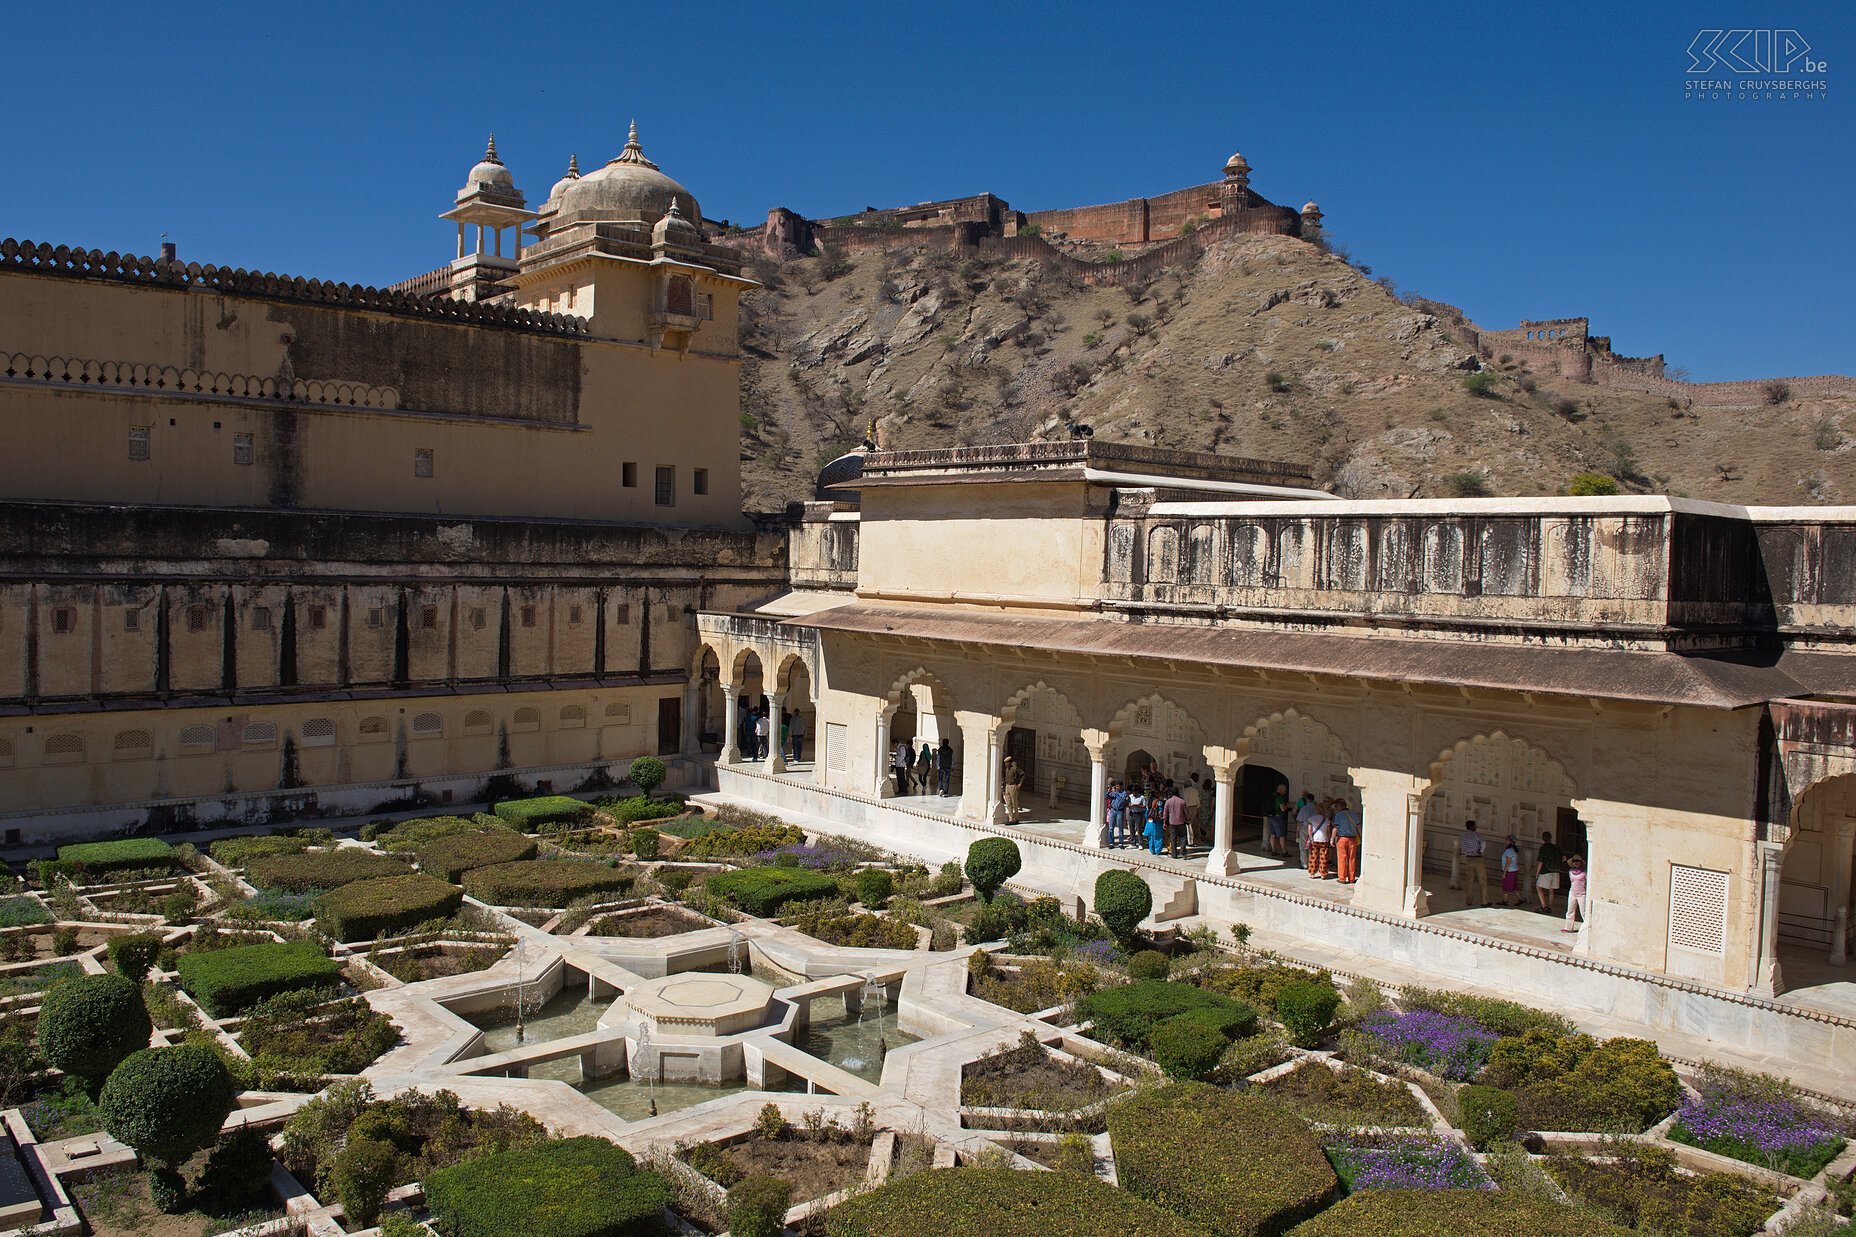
[1555, 981]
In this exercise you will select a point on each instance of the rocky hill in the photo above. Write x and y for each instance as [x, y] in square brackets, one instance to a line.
[1262, 346]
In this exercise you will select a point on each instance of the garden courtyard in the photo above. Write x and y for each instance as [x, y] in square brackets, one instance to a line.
[641, 1015]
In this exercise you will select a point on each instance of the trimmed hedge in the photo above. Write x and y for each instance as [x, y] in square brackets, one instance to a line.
[1233, 1164]
[762, 891]
[543, 882]
[230, 981]
[321, 869]
[167, 1103]
[364, 910]
[642, 807]
[1002, 1203]
[528, 813]
[424, 830]
[1452, 1213]
[1128, 1014]
[234, 852]
[1575, 1082]
[88, 1025]
[453, 856]
[578, 1187]
[129, 853]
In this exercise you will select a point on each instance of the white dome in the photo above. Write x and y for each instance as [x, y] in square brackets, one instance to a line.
[628, 189]
[490, 175]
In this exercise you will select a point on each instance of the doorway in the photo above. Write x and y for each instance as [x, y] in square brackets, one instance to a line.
[1256, 794]
[1571, 833]
[669, 725]
[1021, 744]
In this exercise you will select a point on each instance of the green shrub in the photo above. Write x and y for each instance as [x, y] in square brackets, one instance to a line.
[167, 1103]
[761, 891]
[644, 843]
[647, 773]
[858, 931]
[1592, 484]
[999, 1202]
[751, 840]
[235, 852]
[990, 863]
[757, 1207]
[544, 882]
[363, 1173]
[367, 909]
[1575, 1082]
[1483, 384]
[1468, 485]
[167, 1190]
[132, 955]
[1487, 1115]
[576, 1187]
[96, 858]
[237, 1176]
[1122, 901]
[641, 807]
[674, 881]
[303, 1033]
[1231, 1163]
[1187, 1049]
[1149, 964]
[322, 869]
[1453, 1213]
[1641, 1186]
[1306, 1010]
[875, 888]
[88, 1025]
[949, 881]
[449, 858]
[229, 981]
[1128, 1015]
[712, 1162]
[528, 813]
[177, 907]
[64, 941]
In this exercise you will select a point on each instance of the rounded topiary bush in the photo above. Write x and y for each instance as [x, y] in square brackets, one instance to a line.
[88, 1025]
[875, 888]
[647, 773]
[990, 863]
[1187, 1048]
[1149, 964]
[167, 1103]
[1487, 1115]
[1306, 1010]
[1122, 901]
[644, 842]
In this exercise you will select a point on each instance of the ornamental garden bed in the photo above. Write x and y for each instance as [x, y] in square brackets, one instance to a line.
[1347, 1097]
[366, 910]
[451, 857]
[554, 883]
[1031, 985]
[1406, 1163]
[95, 860]
[438, 960]
[648, 923]
[762, 891]
[302, 1033]
[860, 931]
[995, 1202]
[1641, 1187]
[229, 981]
[575, 1187]
[1233, 1164]
[1761, 1120]
[1031, 1076]
[815, 1167]
[320, 869]
[1452, 1213]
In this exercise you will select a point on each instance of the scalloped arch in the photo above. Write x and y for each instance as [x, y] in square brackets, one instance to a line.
[1292, 714]
[921, 674]
[1118, 726]
[1569, 788]
[1009, 710]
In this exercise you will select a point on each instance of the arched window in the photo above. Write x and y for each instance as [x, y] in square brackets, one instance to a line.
[526, 719]
[372, 729]
[319, 732]
[198, 736]
[573, 715]
[133, 745]
[477, 721]
[427, 726]
[260, 734]
[64, 749]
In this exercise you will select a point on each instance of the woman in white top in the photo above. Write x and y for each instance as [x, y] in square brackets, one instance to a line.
[1320, 843]
[1511, 874]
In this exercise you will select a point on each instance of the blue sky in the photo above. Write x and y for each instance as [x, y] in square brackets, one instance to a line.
[1533, 160]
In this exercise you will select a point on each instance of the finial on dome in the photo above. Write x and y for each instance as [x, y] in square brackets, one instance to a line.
[489, 156]
[675, 209]
[634, 151]
[573, 167]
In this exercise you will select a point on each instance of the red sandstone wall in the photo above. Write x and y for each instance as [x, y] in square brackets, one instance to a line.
[1120, 223]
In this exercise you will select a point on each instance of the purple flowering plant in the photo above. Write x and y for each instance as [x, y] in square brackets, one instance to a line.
[1758, 1120]
[1409, 1164]
[811, 858]
[1445, 1044]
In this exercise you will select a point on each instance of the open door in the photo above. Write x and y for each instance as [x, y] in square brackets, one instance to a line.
[669, 725]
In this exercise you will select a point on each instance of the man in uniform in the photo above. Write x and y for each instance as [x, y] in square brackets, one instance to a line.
[1014, 778]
